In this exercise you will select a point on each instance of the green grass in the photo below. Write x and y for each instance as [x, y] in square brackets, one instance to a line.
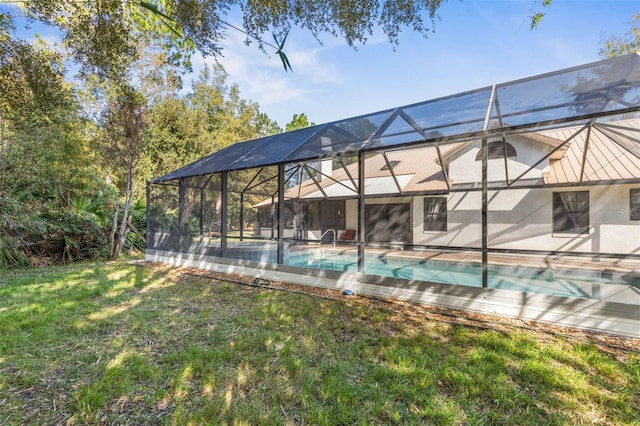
[114, 343]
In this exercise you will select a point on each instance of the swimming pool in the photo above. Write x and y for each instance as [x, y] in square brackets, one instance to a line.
[586, 284]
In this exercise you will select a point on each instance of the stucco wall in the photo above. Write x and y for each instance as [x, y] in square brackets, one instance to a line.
[464, 168]
[523, 219]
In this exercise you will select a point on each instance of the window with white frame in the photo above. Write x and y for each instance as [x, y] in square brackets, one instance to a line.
[634, 199]
[571, 212]
[435, 214]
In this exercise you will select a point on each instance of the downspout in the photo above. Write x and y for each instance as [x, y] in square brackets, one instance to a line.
[280, 214]
[182, 189]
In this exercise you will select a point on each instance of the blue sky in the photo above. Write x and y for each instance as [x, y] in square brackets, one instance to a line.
[476, 43]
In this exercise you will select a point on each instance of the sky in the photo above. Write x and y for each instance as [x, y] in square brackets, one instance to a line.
[476, 43]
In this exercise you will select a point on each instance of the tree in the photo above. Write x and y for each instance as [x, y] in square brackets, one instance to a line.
[124, 123]
[536, 18]
[101, 33]
[104, 35]
[210, 117]
[625, 44]
[34, 99]
[299, 121]
[51, 194]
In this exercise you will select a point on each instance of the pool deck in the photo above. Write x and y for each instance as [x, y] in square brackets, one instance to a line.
[619, 265]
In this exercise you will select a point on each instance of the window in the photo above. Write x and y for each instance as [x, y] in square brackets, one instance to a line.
[435, 214]
[571, 212]
[635, 204]
[496, 150]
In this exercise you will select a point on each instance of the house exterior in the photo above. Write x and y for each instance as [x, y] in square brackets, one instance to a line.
[564, 199]
[518, 199]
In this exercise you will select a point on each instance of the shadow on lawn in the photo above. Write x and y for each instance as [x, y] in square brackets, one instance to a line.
[148, 345]
[227, 353]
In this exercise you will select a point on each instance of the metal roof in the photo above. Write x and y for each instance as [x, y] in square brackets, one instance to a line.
[607, 160]
[584, 92]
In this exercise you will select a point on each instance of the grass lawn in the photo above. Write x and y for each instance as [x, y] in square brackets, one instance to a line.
[116, 343]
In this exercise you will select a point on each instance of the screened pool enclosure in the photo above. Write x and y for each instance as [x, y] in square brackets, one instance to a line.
[521, 199]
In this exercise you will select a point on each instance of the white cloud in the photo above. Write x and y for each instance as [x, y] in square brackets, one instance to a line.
[261, 76]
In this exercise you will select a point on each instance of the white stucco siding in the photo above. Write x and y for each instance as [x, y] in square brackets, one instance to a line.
[463, 222]
[466, 169]
[523, 219]
[529, 224]
[612, 228]
[351, 214]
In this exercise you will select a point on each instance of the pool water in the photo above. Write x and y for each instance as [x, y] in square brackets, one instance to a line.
[582, 284]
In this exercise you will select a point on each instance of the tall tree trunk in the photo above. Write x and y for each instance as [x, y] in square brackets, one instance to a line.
[2, 152]
[124, 227]
[114, 228]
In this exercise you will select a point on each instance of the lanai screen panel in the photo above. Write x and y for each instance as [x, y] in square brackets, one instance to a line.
[578, 93]
[276, 151]
[218, 161]
[347, 136]
[445, 117]
[583, 91]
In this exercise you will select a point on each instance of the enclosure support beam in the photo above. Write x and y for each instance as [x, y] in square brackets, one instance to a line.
[280, 214]
[315, 181]
[307, 168]
[631, 147]
[202, 200]
[442, 167]
[393, 175]
[346, 170]
[242, 216]
[224, 183]
[485, 204]
[485, 192]
[361, 222]
[182, 190]
[506, 160]
[584, 153]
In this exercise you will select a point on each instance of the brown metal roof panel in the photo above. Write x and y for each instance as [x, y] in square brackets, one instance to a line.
[594, 169]
[572, 161]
